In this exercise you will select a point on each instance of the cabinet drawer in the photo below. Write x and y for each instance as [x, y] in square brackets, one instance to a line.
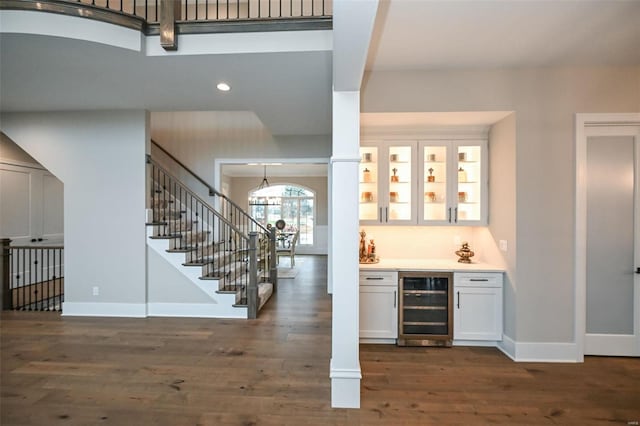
[477, 279]
[379, 278]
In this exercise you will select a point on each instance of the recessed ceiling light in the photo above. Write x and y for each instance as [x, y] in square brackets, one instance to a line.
[223, 87]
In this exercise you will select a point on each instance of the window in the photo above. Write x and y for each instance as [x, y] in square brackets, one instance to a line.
[293, 204]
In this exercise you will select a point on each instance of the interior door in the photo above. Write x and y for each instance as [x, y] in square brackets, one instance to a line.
[613, 258]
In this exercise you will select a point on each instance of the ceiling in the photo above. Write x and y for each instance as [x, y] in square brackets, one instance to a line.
[490, 34]
[290, 92]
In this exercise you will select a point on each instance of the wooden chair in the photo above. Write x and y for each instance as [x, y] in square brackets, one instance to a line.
[290, 250]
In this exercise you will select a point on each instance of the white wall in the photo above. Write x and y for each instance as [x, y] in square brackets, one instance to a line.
[198, 138]
[502, 217]
[544, 101]
[100, 158]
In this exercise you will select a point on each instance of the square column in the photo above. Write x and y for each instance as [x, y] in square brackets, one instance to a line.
[345, 363]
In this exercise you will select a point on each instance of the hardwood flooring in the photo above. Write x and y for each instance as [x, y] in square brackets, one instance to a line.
[274, 371]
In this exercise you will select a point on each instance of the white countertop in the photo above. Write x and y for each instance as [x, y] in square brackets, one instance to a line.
[441, 265]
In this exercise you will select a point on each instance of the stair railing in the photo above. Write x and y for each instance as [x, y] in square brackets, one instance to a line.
[208, 238]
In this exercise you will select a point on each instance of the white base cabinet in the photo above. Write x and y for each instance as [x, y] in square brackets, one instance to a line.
[477, 306]
[378, 306]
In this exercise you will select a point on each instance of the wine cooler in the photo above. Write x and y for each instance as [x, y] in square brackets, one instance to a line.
[426, 309]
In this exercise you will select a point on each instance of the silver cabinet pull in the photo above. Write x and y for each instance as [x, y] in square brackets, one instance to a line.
[375, 278]
[386, 214]
[456, 210]
[478, 279]
[380, 220]
[458, 300]
[395, 297]
[449, 214]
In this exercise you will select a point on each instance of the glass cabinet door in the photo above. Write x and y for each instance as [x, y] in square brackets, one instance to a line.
[435, 185]
[469, 188]
[400, 197]
[369, 194]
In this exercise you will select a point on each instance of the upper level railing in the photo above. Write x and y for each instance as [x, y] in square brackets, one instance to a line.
[220, 10]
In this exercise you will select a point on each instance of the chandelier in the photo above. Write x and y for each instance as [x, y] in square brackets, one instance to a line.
[264, 200]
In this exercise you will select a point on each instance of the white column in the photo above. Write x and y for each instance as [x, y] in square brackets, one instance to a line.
[345, 363]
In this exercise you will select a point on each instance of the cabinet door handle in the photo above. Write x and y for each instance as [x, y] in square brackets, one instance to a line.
[375, 278]
[456, 210]
[478, 279]
[380, 220]
[386, 214]
[458, 300]
[449, 214]
[395, 297]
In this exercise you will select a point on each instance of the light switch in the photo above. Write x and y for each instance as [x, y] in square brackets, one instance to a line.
[503, 245]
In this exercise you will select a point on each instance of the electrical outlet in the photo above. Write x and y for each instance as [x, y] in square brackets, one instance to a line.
[96, 291]
[503, 245]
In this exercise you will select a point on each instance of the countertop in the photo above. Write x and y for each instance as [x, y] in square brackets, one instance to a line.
[437, 265]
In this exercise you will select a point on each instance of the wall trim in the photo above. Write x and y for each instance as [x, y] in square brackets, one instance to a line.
[508, 346]
[194, 310]
[87, 309]
[345, 386]
[584, 124]
[545, 352]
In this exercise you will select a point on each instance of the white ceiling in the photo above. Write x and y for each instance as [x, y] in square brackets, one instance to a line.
[289, 91]
[483, 34]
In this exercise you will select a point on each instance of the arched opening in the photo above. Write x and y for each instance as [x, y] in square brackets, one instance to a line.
[294, 204]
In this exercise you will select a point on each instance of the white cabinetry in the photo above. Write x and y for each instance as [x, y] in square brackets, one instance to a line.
[477, 311]
[454, 182]
[378, 306]
[431, 182]
[387, 183]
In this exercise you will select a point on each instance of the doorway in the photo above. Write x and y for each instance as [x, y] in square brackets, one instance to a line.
[607, 235]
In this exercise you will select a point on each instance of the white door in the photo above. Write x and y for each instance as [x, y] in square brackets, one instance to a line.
[612, 308]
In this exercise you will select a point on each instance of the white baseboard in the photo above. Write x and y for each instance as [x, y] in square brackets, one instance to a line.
[378, 341]
[538, 351]
[81, 309]
[345, 387]
[479, 343]
[196, 310]
[508, 346]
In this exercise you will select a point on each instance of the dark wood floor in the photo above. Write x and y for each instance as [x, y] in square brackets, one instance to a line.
[274, 371]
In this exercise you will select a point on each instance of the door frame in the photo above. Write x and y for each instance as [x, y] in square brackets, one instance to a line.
[582, 123]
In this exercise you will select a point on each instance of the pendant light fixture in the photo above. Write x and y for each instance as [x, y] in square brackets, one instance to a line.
[264, 201]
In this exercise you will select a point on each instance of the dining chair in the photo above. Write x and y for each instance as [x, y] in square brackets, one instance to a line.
[290, 250]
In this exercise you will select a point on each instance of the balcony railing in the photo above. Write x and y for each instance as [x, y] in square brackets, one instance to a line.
[220, 10]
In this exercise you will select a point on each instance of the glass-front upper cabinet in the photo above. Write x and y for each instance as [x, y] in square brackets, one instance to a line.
[454, 182]
[387, 183]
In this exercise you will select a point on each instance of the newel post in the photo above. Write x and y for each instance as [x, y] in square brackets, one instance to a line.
[273, 267]
[5, 293]
[169, 14]
[252, 290]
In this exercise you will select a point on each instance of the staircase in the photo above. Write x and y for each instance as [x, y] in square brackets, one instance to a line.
[216, 245]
